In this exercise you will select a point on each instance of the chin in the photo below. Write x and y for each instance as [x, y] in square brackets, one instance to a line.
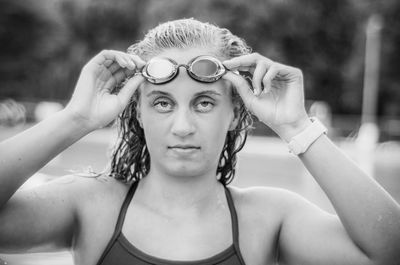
[186, 169]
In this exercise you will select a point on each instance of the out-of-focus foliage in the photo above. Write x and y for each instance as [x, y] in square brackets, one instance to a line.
[11, 113]
[25, 52]
[44, 44]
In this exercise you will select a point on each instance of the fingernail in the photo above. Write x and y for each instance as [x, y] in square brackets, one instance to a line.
[122, 63]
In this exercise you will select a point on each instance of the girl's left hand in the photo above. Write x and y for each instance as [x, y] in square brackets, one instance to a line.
[280, 103]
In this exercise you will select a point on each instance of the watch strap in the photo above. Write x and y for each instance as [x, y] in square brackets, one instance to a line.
[302, 141]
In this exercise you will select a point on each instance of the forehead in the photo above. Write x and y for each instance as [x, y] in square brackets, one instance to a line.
[183, 56]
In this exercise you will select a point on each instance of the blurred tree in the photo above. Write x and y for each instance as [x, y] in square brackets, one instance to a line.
[102, 24]
[25, 48]
[45, 44]
[92, 26]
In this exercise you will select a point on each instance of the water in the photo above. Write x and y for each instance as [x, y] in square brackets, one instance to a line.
[264, 162]
[56, 258]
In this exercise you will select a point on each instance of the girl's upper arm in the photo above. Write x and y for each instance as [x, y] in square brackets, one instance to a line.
[311, 236]
[40, 219]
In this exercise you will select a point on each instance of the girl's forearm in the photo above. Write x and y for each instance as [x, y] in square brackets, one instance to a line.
[24, 154]
[368, 213]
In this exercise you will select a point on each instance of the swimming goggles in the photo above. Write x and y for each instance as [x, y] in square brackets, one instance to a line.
[203, 68]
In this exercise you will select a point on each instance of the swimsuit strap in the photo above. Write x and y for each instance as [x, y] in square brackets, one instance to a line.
[124, 207]
[120, 220]
[235, 224]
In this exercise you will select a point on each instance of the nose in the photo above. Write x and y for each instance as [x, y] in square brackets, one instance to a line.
[183, 124]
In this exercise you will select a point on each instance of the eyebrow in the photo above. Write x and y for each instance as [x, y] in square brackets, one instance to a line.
[205, 92]
[157, 92]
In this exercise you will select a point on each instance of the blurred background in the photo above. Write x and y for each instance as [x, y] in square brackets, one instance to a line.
[349, 52]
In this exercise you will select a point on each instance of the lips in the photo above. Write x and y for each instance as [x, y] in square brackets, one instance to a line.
[183, 147]
[184, 150]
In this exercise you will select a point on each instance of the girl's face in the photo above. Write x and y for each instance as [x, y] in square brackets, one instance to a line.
[185, 122]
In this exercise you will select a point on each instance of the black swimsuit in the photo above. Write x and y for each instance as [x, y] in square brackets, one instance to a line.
[120, 251]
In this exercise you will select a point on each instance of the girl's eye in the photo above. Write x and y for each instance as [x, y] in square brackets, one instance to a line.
[204, 106]
[162, 105]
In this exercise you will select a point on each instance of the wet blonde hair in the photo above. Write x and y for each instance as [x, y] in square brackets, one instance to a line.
[190, 33]
[131, 159]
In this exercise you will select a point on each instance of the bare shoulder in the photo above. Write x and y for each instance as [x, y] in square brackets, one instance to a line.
[97, 201]
[63, 202]
[262, 212]
[90, 190]
[260, 195]
[78, 193]
[80, 186]
[272, 200]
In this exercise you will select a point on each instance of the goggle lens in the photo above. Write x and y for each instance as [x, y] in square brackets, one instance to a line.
[160, 68]
[202, 68]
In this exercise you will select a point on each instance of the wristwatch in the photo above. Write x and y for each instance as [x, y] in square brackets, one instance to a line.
[302, 141]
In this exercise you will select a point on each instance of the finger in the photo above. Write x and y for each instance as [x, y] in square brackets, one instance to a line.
[132, 61]
[123, 62]
[130, 64]
[258, 75]
[129, 89]
[129, 73]
[114, 67]
[242, 87]
[104, 56]
[116, 78]
[249, 69]
[115, 56]
[107, 63]
[249, 60]
[103, 73]
[111, 54]
[136, 60]
[113, 79]
[110, 84]
[269, 76]
[244, 60]
[108, 57]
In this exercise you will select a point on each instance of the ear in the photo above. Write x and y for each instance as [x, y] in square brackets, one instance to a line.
[139, 120]
[235, 119]
[139, 117]
[139, 114]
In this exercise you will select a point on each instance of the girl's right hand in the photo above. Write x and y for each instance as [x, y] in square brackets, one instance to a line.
[92, 103]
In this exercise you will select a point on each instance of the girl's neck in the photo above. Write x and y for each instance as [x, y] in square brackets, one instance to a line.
[198, 194]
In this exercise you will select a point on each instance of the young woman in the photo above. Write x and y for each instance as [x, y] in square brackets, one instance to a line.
[165, 200]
